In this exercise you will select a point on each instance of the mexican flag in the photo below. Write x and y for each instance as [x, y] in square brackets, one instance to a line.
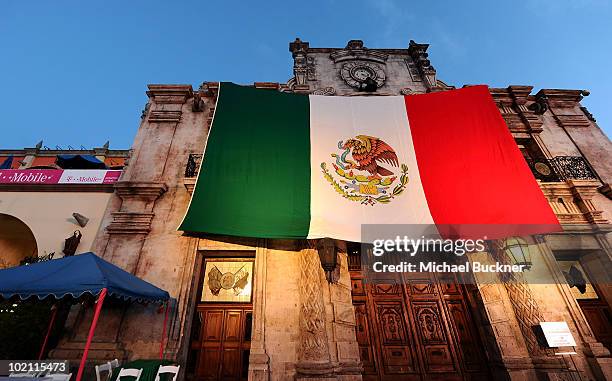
[280, 165]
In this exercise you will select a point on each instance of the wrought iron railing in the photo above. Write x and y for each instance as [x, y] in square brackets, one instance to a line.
[193, 165]
[573, 167]
[562, 168]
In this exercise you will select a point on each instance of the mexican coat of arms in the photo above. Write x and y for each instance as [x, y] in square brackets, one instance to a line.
[372, 175]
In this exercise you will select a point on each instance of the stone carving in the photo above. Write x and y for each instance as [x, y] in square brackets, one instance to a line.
[356, 51]
[429, 325]
[325, 91]
[355, 73]
[418, 53]
[303, 65]
[198, 103]
[588, 114]
[391, 322]
[540, 106]
[145, 110]
[407, 91]
[526, 310]
[313, 351]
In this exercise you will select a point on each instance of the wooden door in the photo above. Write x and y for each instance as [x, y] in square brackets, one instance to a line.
[221, 330]
[224, 343]
[416, 328]
[599, 317]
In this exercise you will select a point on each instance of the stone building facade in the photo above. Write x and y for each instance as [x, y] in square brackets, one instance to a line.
[299, 325]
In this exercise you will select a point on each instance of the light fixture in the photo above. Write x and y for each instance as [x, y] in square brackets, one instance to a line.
[71, 243]
[81, 219]
[518, 251]
[328, 254]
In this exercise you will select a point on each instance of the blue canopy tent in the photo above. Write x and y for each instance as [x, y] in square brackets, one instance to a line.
[79, 162]
[76, 276]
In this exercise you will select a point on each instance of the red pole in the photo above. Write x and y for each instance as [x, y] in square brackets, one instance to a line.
[44, 344]
[91, 332]
[161, 345]
[51, 321]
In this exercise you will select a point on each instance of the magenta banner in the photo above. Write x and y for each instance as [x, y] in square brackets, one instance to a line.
[59, 176]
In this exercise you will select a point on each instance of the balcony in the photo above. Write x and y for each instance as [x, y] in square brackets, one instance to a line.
[193, 165]
[191, 171]
[561, 168]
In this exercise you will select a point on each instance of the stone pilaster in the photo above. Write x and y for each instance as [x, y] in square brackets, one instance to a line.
[313, 352]
[344, 349]
[259, 361]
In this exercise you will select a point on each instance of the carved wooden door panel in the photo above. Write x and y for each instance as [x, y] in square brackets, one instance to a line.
[599, 316]
[414, 329]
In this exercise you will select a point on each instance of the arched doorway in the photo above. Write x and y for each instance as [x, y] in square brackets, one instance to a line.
[16, 241]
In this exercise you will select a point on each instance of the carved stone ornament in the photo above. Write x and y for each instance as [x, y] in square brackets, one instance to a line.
[406, 91]
[356, 72]
[325, 91]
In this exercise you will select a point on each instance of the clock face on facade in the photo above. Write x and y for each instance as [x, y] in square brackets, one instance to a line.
[355, 73]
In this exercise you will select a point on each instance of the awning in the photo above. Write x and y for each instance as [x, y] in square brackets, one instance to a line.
[79, 162]
[78, 275]
[75, 276]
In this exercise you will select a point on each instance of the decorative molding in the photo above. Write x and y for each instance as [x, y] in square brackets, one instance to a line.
[583, 192]
[574, 121]
[325, 91]
[512, 103]
[164, 116]
[355, 50]
[146, 191]
[130, 223]
[169, 94]
[562, 98]
[189, 183]
[355, 73]
[419, 55]
[172, 97]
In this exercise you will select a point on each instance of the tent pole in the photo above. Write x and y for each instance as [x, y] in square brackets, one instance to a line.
[91, 332]
[51, 322]
[161, 345]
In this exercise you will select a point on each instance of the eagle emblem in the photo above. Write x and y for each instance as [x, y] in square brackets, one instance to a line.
[236, 281]
[372, 175]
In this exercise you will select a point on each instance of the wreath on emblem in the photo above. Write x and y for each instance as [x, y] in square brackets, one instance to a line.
[364, 179]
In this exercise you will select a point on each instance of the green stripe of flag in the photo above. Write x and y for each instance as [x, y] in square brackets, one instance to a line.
[255, 174]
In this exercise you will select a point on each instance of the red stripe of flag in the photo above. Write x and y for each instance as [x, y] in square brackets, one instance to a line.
[471, 168]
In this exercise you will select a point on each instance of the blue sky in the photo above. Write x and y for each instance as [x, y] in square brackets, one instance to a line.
[75, 73]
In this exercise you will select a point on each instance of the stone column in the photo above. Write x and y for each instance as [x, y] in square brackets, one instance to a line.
[313, 352]
[259, 367]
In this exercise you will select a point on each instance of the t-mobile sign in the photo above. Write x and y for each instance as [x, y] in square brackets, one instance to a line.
[59, 176]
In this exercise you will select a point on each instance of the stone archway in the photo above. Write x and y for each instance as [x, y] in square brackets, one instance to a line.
[16, 241]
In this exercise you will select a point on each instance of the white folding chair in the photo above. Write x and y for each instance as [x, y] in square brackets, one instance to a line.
[106, 367]
[130, 373]
[59, 376]
[24, 375]
[167, 369]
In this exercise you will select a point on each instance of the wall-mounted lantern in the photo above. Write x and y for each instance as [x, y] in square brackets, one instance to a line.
[71, 243]
[328, 254]
[518, 251]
